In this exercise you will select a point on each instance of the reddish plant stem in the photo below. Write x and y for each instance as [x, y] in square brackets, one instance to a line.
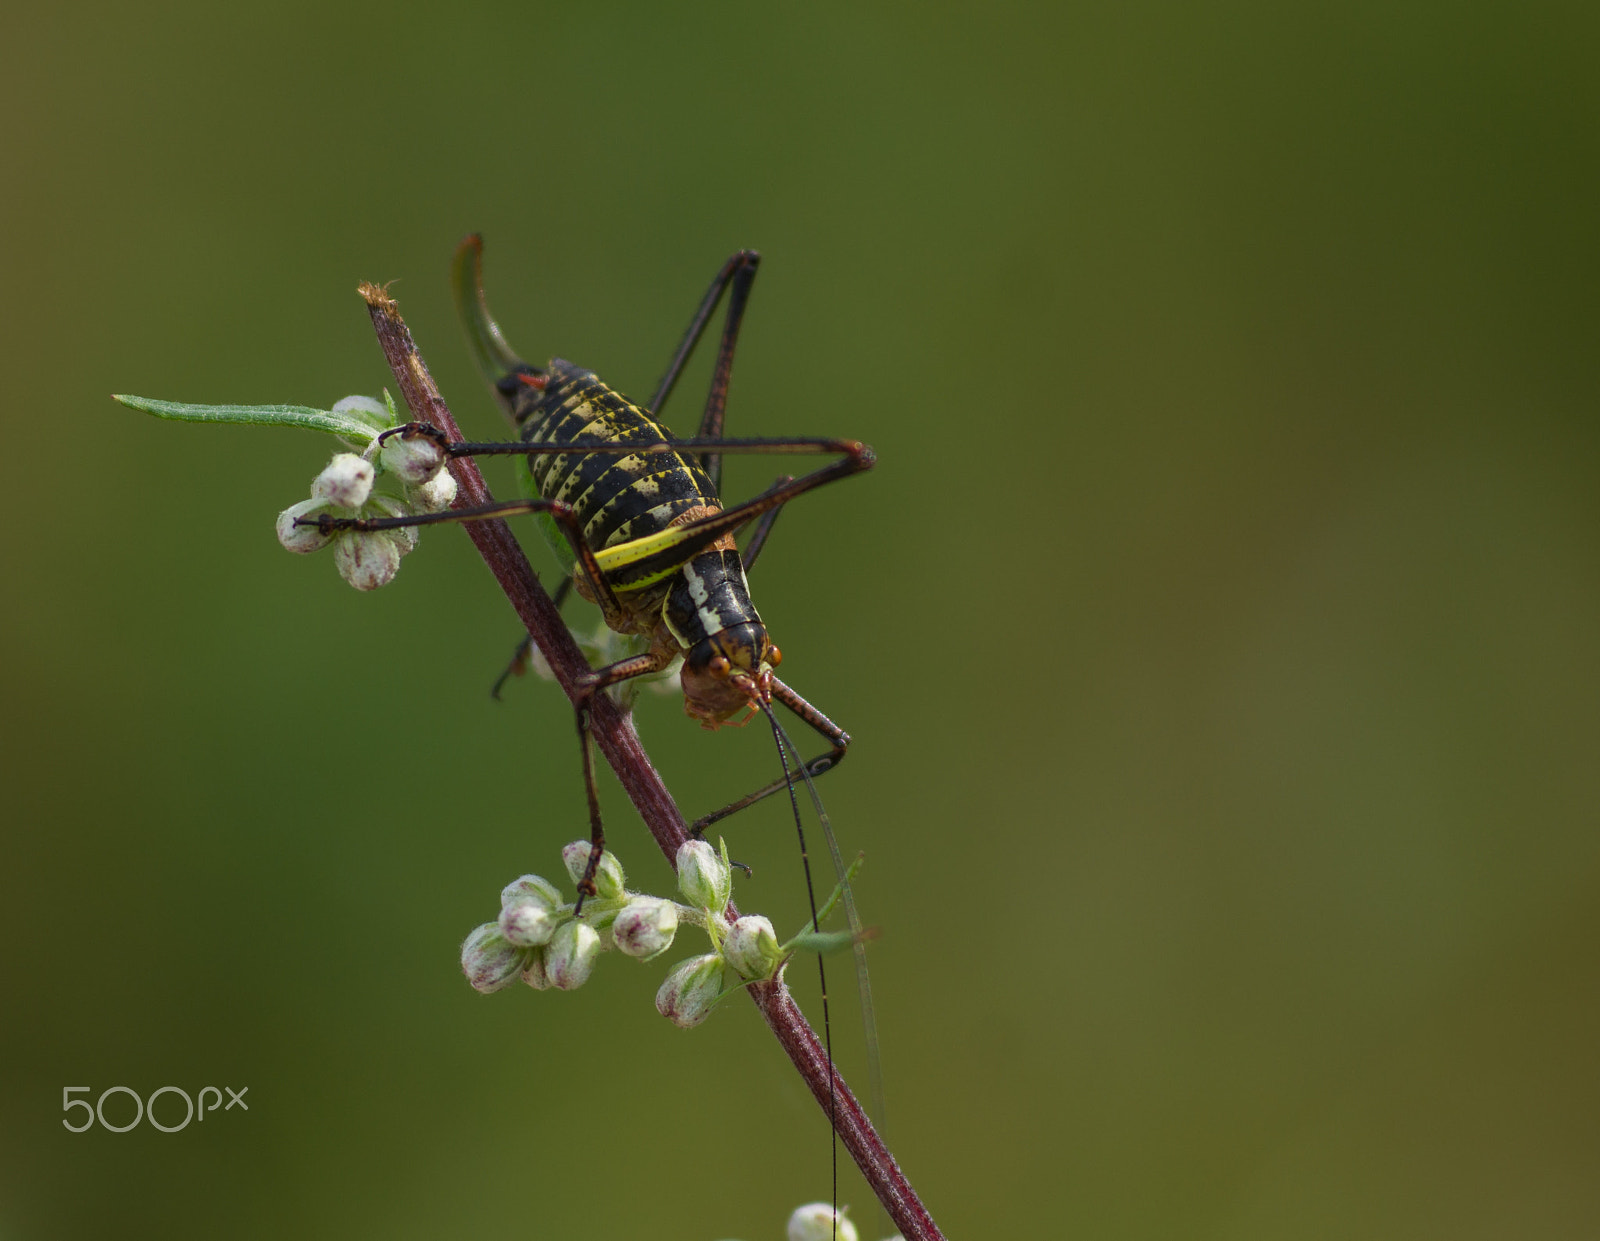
[616, 739]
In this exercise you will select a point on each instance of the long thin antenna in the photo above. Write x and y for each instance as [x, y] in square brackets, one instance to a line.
[780, 738]
[869, 1017]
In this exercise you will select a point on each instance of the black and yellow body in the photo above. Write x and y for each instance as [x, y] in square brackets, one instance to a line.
[697, 607]
[635, 516]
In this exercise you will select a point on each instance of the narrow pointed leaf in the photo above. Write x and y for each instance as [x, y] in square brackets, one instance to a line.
[346, 426]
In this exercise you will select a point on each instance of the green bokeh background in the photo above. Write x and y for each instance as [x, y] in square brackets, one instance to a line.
[1217, 631]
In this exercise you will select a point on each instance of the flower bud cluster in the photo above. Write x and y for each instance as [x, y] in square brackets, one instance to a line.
[346, 489]
[550, 942]
[543, 938]
[746, 950]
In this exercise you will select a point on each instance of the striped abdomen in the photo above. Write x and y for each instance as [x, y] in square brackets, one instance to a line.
[617, 497]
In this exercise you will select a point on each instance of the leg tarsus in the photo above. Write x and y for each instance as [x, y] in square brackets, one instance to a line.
[815, 767]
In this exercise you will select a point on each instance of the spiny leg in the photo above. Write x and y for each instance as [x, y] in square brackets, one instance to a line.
[639, 561]
[563, 514]
[740, 272]
[758, 537]
[838, 739]
[594, 683]
[722, 373]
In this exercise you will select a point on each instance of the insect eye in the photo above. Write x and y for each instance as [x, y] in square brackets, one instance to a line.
[774, 656]
[719, 666]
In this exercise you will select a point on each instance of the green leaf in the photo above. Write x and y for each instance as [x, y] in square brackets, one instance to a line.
[824, 942]
[346, 426]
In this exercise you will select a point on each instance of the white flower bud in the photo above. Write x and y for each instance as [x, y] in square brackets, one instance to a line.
[703, 877]
[534, 973]
[689, 992]
[751, 947]
[302, 538]
[367, 559]
[405, 537]
[346, 482]
[527, 924]
[540, 665]
[528, 888]
[815, 1222]
[435, 495]
[412, 457]
[569, 956]
[488, 960]
[366, 408]
[645, 927]
[608, 877]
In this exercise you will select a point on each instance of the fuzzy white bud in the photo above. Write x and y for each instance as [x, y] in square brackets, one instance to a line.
[608, 876]
[345, 482]
[435, 495]
[534, 973]
[302, 539]
[816, 1222]
[405, 537]
[411, 457]
[645, 927]
[751, 947]
[527, 924]
[488, 960]
[703, 877]
[691, 990]
[569, 956]
[367, 559]
[528, 888]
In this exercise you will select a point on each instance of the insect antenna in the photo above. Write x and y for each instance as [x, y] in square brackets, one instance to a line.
[781, 740]
[859, 936]
[859, 933]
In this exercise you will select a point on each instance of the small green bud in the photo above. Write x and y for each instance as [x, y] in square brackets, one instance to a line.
[435, 495]
[302, 539]
[412, 457]
[488, 960]
[569, 956]
[530, 887]
[608, 877]
[367, 559]
[527, 924]
[645, 927]
[751, 947]
[691, 990]
[345, 482]
[703, 877]
[816, 1222]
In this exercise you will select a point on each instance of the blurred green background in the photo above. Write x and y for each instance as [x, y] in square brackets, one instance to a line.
[1217, 631]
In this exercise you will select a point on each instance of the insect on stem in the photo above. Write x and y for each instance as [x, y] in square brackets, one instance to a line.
[614, 736]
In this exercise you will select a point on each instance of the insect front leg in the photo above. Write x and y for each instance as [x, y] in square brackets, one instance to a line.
[839, 745]
[654, 660]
